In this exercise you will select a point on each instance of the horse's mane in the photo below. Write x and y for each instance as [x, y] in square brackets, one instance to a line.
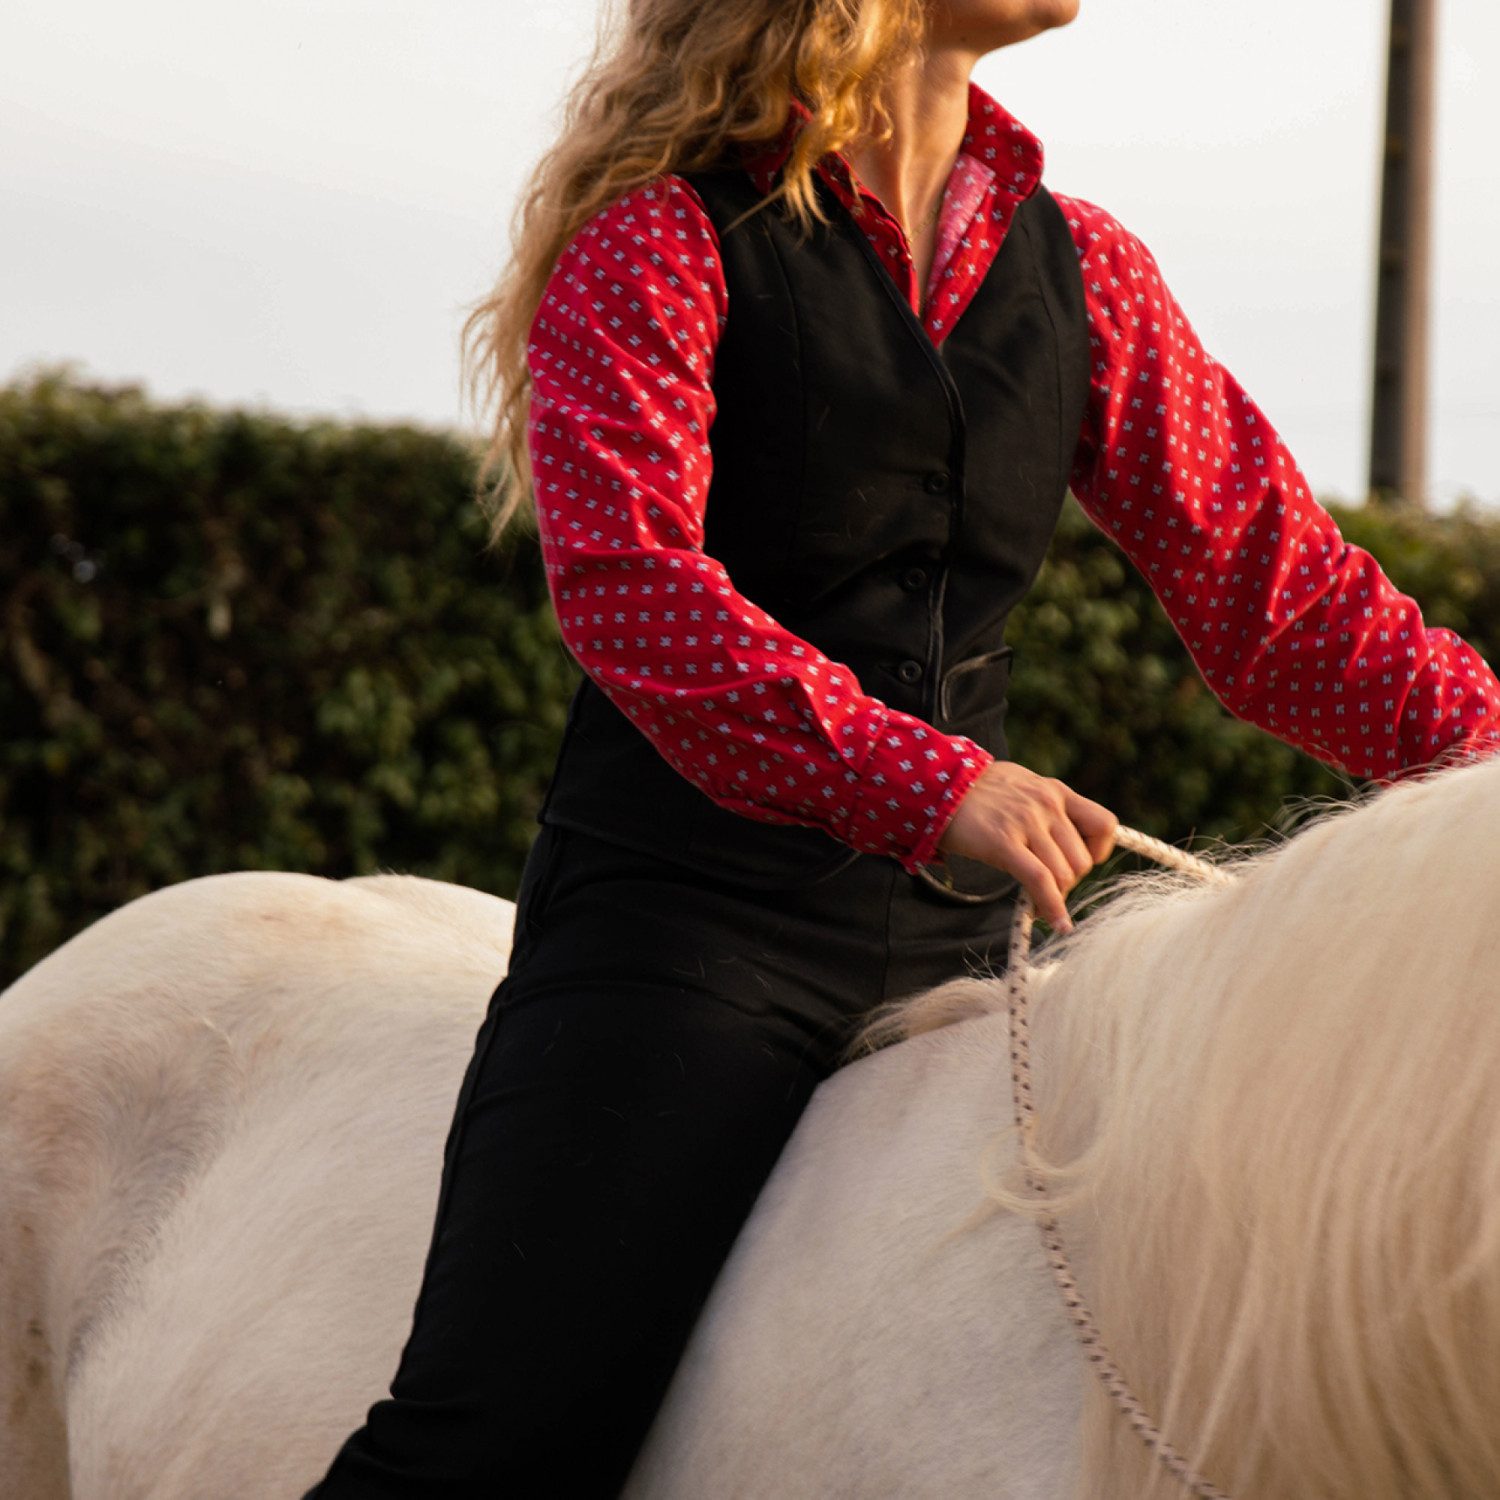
[1273, 1117]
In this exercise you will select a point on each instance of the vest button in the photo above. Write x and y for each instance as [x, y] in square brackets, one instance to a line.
[910, 672]
[937, 482]
[914, 580]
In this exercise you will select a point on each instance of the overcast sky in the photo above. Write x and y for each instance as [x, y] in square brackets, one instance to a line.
[290, 202]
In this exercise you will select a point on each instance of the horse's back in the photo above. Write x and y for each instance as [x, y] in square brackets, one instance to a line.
[221, 1118]
[879, 1330]
[223, 1111]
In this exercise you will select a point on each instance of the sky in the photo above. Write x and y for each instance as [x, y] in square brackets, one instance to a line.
[290, 203]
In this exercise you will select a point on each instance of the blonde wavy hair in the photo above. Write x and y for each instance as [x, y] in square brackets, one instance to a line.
[673, 88]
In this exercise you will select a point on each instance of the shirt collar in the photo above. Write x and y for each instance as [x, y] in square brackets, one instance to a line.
[995, 139]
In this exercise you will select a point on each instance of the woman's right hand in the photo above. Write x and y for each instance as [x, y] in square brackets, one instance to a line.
[1034, 828]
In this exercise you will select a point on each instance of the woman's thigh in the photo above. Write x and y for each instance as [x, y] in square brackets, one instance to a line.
[636, 1079]
[604, 1165]
[637, 1076]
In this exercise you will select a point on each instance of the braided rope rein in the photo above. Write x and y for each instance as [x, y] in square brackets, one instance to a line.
[1062, 1272]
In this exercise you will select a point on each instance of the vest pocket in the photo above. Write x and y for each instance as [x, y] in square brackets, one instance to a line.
[974, 689]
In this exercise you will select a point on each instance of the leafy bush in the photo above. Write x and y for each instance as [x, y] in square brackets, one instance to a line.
[237, 642]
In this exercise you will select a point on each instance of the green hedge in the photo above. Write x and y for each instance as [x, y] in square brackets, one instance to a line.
[234, 642]
[238, 642]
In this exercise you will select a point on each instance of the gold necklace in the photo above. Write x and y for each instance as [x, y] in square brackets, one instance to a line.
[913, 235]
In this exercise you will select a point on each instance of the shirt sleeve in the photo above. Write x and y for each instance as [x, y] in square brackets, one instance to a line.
[621, 357]
[1291, 627]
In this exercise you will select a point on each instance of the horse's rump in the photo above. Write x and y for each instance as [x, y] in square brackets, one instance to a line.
[163, 1224]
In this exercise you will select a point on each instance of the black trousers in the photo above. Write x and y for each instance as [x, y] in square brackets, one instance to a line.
[636, 1077]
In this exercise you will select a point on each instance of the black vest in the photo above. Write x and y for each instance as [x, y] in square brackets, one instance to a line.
[886, 500]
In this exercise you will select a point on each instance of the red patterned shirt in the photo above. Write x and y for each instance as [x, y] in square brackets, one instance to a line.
[1292, 628]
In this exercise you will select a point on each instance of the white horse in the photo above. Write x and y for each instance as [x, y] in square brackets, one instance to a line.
[1270, 1112]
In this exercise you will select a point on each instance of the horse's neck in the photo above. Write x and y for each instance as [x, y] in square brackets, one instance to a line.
[877, 1331]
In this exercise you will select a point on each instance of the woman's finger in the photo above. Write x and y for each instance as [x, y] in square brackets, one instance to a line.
[1036, 879]
[1046, 849]
[1097, 825]
[1070, 844]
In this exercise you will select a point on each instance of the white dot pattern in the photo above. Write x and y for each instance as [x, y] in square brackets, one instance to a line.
[999, 166]
[622, 359]
[1292, 629]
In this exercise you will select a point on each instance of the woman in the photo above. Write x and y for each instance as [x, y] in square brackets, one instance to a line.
[810, 358]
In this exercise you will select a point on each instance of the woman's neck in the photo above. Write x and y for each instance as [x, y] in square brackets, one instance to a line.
[928, 106]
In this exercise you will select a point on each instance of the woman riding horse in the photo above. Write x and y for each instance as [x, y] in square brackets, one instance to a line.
[807, 357]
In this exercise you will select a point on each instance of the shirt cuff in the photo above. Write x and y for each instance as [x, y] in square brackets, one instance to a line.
[905, 794]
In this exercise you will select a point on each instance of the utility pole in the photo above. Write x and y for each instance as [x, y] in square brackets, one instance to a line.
[1398, 437]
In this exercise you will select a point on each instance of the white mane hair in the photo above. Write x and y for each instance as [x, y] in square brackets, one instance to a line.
[1270, 1115]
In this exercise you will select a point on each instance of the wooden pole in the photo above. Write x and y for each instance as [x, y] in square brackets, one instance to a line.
[1398, 434]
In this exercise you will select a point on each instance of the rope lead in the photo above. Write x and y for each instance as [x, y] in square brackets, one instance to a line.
[1077, 1309]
